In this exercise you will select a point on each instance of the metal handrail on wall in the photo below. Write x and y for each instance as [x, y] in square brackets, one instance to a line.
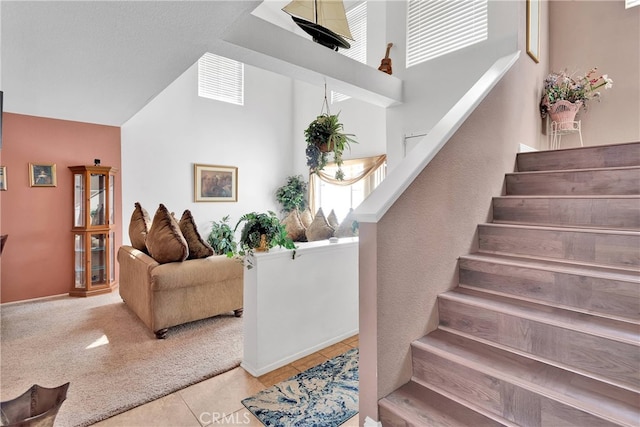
[385, 195]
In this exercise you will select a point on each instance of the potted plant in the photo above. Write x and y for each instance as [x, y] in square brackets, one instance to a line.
[325, 135]
[564, 95]
[260, 232]
[222, 238]
[293, 195]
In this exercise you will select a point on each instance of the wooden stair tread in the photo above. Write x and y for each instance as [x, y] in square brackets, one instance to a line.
[573, 149]
[627, 154]
[613, 212]
[601, 399]
[563, 228]
[598, 266]
[620, 248]
[610, 180]
[422, 406]
[612, 329]
[551, 225]
[559, 266]
[560, 171]
[570, 196]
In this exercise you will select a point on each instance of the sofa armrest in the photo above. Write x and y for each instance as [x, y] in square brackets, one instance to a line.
[135, 281]
[136, 258]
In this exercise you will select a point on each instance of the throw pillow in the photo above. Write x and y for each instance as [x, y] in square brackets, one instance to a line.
[348, 227]
[332, 219]
[319, 228]
[296, 231]
[198, 248]
[139, 228]
[165, 240]
[306, 217]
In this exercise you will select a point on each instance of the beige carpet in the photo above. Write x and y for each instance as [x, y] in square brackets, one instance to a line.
[112, 360]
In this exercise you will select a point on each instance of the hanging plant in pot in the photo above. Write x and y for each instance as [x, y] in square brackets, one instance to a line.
[325, 136]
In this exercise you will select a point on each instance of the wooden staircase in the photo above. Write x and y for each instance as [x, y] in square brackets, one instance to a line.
[543, 329]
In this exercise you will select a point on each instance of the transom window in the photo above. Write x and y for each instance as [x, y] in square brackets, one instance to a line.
[357, 18]
[438, 27]
[221, 79]
[362, 176]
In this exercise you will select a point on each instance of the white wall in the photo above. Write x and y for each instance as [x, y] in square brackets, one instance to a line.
[609, 38]
[432, 88]
[161, 143]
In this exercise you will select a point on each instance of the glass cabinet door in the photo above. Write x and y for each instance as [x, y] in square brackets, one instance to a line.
[112, 251]
[112, 202]
[80, 261]
[78, 200]
[97, 199]
[99, 251]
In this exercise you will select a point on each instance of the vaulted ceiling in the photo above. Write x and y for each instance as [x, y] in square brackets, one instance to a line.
[102, 61]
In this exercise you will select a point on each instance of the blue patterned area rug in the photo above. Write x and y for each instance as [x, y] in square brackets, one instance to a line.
[323, 396]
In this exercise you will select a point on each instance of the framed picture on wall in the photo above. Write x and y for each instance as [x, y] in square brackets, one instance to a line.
[533, 29]
[214, 183]
[3, 178]
[42, 175]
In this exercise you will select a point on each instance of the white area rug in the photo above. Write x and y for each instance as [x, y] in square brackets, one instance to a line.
[113, 362]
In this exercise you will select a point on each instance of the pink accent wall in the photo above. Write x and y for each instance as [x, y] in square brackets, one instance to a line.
[38, 257]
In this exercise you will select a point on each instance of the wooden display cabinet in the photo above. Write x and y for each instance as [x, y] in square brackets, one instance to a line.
[93, 230]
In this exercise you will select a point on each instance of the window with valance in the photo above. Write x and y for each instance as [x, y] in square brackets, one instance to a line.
[361, 177]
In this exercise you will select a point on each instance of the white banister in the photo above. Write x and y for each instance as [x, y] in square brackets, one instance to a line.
[384, 196]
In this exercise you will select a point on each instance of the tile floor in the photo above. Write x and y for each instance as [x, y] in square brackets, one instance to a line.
[216, 402]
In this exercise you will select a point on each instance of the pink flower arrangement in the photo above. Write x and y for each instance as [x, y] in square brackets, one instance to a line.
[561, 86]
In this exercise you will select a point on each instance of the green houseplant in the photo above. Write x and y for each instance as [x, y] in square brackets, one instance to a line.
[293, 195]
[222, 238]
[325, 136]
[260, 232]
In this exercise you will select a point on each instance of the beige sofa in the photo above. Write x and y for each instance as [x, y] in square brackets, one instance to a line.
[166, 295]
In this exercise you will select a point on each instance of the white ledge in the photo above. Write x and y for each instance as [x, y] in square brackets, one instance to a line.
[385, 195]
[251, 41]
[307, 248]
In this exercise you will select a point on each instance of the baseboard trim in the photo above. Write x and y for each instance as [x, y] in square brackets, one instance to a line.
[526, 149]
[257, 371]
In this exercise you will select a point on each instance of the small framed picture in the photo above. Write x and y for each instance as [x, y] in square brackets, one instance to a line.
[215, 183]
[3, 178]
[42, 175]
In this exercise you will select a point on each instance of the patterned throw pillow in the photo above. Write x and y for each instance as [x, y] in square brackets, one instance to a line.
[139, 228]
[332, 219]
[165, 240]
[198, 248]
[306, 217]
[348, 227]
[319, 228]
[296, 231]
